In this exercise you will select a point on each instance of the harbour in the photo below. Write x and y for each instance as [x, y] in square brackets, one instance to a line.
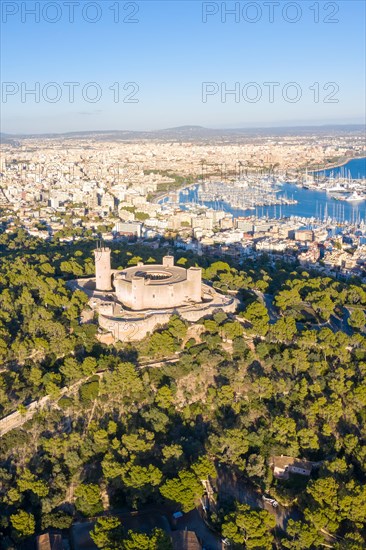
[335, 195]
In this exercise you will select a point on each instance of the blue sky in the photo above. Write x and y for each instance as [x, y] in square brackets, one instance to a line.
[169, 52]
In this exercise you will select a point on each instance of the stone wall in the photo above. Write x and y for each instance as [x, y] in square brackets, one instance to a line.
[131, 329]
[139, 293]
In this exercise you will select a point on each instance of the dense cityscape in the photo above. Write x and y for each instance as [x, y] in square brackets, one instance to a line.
[68, 190]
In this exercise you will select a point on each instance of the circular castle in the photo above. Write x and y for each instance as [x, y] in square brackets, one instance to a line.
[133, 302]
[158, 286]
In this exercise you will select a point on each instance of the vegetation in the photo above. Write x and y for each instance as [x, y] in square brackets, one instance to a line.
[109, 533]
[284, 376]
[176, 182]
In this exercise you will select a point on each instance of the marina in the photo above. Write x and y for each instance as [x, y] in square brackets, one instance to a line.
[334, 196]
[345, 183]
[245, 194]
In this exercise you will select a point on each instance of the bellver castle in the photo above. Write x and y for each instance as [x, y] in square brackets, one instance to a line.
[133, 302]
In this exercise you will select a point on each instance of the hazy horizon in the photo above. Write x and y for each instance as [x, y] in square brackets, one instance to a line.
[239, 128]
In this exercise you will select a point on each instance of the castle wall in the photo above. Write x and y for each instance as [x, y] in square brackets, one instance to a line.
[135, 329]
[139, 293]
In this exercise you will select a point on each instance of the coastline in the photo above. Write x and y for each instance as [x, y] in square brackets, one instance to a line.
[159, 198]
[337, 164]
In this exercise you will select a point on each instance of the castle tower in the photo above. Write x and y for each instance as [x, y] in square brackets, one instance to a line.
[168, 261]
[194, 282]
[103, 275]
[138, 284]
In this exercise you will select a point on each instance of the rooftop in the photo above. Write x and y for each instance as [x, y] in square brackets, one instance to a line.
[185, 540]
[156, 274]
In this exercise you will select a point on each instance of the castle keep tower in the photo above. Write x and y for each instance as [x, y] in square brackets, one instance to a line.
[194, 283]
[168, 261]
[103, 274]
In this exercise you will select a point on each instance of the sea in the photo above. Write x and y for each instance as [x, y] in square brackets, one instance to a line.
[310, 203]
[355, 168]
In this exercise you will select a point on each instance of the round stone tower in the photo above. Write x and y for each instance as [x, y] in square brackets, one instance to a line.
[194, 283]
[103, 274]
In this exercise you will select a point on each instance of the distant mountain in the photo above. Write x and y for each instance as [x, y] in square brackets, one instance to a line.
[191, 133]
[10, 139]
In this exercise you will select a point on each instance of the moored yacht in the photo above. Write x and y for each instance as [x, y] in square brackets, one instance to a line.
[355, 197]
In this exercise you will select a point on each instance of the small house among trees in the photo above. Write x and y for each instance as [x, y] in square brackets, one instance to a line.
[283, 466]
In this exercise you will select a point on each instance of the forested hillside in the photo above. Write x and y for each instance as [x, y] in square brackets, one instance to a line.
[285, 376]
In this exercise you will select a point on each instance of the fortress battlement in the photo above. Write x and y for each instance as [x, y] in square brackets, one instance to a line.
[133, 302]
[152, 286]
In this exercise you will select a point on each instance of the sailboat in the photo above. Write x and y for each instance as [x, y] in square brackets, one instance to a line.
[308, 180]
